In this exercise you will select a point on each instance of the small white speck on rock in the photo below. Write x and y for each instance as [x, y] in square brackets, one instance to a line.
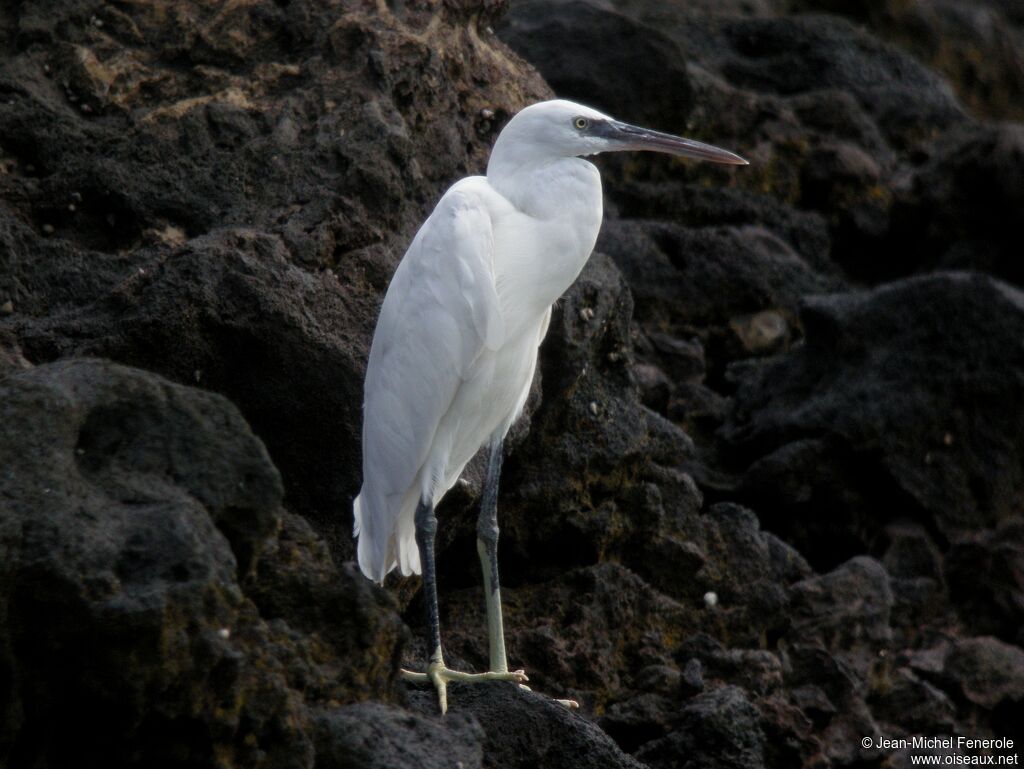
[586, 315]
[197, 374]
[711, 599]
[224, 632]
[7, 307]
[593, 408]
[487, 113]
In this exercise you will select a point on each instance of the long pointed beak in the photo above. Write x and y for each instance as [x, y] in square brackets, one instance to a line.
[624, 136]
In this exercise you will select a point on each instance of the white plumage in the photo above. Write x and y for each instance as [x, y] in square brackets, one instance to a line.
[456, 342]
[438, 343]
[455, 346]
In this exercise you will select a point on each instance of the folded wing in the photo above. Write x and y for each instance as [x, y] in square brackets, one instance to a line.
[440, 312]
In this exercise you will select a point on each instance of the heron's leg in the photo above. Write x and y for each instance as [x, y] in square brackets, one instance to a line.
[426, 529]
[437, 672]
[487, 547]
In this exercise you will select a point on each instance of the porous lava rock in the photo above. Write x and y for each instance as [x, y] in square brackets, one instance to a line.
[221, 194]
[896, 398]
[135, 512]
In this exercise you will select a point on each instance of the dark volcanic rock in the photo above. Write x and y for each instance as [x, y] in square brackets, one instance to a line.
[840, 630]
[524, 729]
[163, 125]
[329, 615]
[956, 211]
[596, 56]
[848, 609]
[749, 572]
[719, 729]
[915, 564]
[913, 389]
[985, 574]
[584, 636]
[727, 291]
[374, 736]
[640, 719]
[819, 52]
[699, 206]
[988, 672]
[974, 45]
[134, 511]
[708, 275]
[231, 313]
[220, 195]
[908, 700]
[774, 55]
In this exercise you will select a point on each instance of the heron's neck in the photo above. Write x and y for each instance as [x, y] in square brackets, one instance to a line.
[548, 188]
[559, 207]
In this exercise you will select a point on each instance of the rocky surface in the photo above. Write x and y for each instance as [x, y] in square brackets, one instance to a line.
[892, 395]
[769, 499]
[219, 195]
[137, 516]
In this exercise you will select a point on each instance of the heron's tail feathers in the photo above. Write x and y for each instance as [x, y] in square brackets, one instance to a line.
[386, 529]
[369, 551]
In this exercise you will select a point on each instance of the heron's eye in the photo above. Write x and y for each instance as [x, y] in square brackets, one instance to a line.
[580, 123]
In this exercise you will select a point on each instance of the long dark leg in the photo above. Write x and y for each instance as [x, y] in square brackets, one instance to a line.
[487, 547]
[426, 529]
[437, 672]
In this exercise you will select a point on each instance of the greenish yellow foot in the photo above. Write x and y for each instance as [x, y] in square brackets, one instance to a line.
[440, 675]
[571, 704]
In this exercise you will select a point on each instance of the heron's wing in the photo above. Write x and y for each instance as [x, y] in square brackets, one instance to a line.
[441, 311]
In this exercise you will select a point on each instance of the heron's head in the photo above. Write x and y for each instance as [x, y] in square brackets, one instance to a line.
[558, 128]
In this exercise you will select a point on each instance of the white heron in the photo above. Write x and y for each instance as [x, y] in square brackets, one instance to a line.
[455, 346]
